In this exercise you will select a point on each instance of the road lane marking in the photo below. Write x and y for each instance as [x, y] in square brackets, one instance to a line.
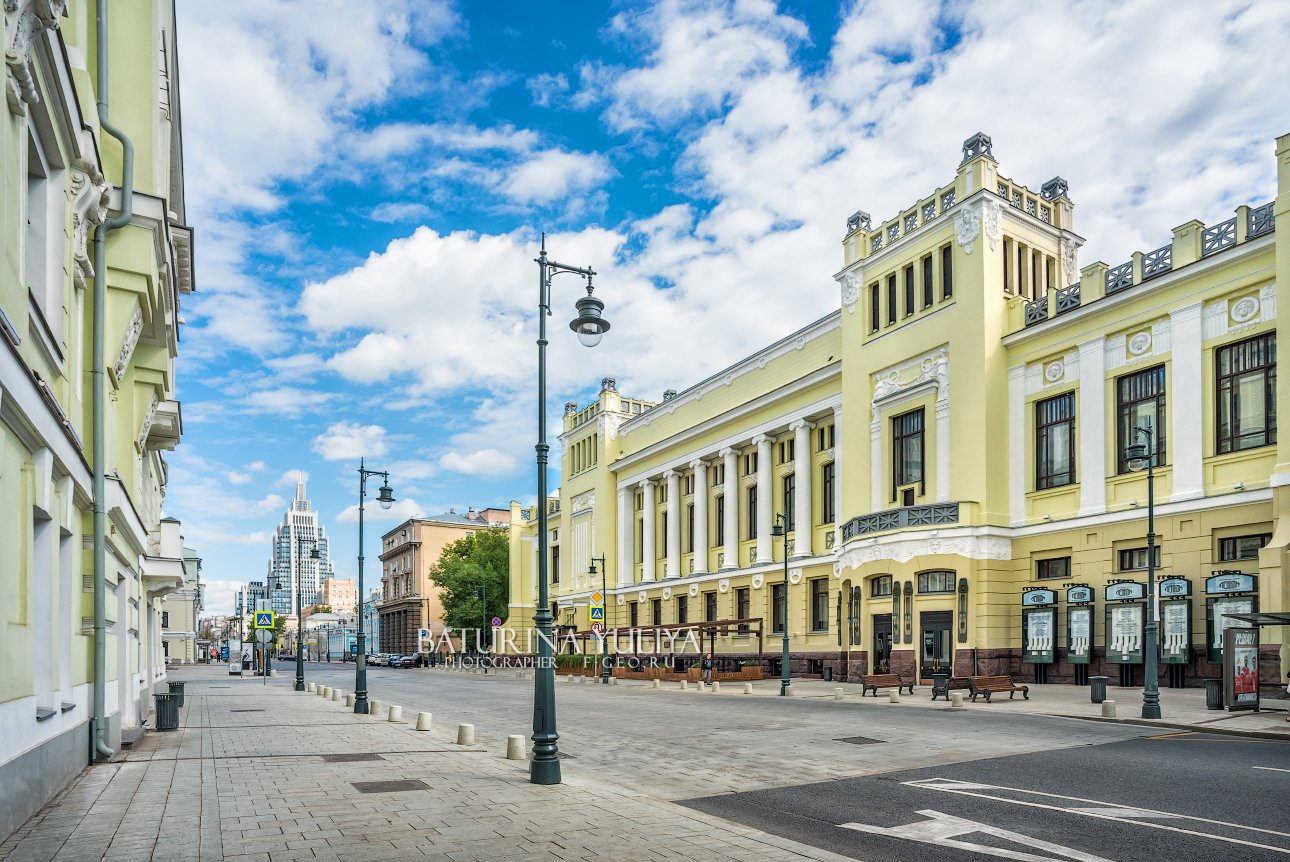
[968, 788]
[1270, 768]
[942, 830]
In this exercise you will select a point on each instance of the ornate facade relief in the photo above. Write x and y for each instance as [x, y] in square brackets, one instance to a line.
[146, 426]
[1070, 261]
[992, 221]
[25, 20]
[967, 225]
[851, 291]
[930, 367]
[89, 209]
[128, 342]
[902, 550]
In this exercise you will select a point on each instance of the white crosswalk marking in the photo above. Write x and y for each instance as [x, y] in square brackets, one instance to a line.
[943, 830]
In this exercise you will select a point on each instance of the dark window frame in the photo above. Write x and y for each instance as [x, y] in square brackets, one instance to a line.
[777, 608]
[751, 495]
[1053, 569]
[743, 607]
[891, 299]
[875, 307]
[929, 294]
[909, 289]
[1147, 386]
[1052, 414]
[1228, 548]
[881, 586]
[710, 606]
[1263, 363]
[1125, 561]
[905, 430]
[788, 487]
[829, 494]
[720, 531]
[947, 272]
[819, 592]
[946, 576]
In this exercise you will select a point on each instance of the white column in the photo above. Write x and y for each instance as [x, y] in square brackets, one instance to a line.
[730, 526]
[700, 515]
[802, 488]
[1184, 447]
[647, 532]
[765, 496]
[838, 516]
[625, 537]
[943, 448]
[877, 476]
[1017, 444]
[673, 550]
[1091, 467]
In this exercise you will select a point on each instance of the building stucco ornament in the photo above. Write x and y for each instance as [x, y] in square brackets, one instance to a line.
[146, 425]
[89, 210]
[25, 20]
[585, 500]
[622, 600]
[1244, 309]
[723, 585]
[640, 597]
[931, 367]
[1054, 371]
[694, 589]
[903, 550]
[1070, 261]
[992, 221]
[757, 581]
[667, 593]
[128, 342]
[851, 292]
[967, 225]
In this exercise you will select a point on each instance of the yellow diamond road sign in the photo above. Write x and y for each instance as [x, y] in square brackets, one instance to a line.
[597, 598]
[264, 619]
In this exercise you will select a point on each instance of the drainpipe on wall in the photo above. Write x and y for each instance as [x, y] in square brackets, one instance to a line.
[99, 381]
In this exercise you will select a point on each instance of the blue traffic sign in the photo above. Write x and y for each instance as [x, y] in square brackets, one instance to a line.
[263, 619]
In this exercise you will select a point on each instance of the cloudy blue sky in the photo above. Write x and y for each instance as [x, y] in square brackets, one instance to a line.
[368, 182]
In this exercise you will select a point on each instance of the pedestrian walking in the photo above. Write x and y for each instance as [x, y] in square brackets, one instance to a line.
[707, 669]
[1288, 694]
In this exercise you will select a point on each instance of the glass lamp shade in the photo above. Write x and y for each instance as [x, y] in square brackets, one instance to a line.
[589, 324]
[385, 497]
[777, 531]
[1136, 457]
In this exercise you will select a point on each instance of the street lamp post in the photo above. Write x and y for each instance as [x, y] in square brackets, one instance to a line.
[780, 531]
[385, 496]
[482, 594]
[590, 326]
[300, 623]
[604, 594]
[1139, 456]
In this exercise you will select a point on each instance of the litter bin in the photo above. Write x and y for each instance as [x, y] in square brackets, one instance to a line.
[1213, 694]
[178, 688]
[828, 674]
[167, 711]
[1097, 688]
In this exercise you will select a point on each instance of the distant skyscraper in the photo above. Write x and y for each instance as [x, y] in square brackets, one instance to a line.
[292, 563]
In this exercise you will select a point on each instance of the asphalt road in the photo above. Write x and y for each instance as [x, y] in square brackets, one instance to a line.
[1174, 797]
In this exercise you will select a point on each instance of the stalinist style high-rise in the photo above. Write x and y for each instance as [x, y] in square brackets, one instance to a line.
[292, 565]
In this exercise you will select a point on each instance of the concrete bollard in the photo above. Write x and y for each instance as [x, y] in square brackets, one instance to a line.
[311, 688]
[893, 697]
[349, 700]
[956, 700]
[716, 687]
[465, 734]
[613, 680]
[685, 685]
[788, 691]
[837, 694]
[423, 721]
[515, 748]
[747, 688]
[396, 713]
[374, 708]
[335, 694]
[656, 683]
[1108, 709]
[324, 691]
[581, 680]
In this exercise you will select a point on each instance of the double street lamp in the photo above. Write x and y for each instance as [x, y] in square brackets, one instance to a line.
[1138, 456]
[300, 623]
[780, 531]
[385, 496]
[590, 326]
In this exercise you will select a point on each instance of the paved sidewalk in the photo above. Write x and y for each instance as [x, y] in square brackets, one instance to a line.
[246, 778]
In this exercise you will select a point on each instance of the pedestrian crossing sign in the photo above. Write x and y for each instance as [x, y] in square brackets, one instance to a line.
[597, 613]
[263, 619]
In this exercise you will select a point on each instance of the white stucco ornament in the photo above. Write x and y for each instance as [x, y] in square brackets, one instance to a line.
[850, 292]
[1245, 309]
[795, 576]
[757, 581]
[1070, 261]
[641, 596]
[723, 585]
[1139, 343]
[25, 21]
[1053, 371]
[967, 227]
[694, 589]
[992, 221]
[667, 592]
[622, 600]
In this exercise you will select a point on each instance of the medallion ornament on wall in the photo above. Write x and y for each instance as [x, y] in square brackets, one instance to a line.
[1245, 309]
[1139, 343]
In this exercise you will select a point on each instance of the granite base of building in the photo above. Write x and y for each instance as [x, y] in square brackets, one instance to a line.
[30, 780]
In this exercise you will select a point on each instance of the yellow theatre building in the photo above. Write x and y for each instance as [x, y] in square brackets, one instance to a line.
[951, 452]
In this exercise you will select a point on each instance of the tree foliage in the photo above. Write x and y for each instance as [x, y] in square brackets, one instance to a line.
[480, 559]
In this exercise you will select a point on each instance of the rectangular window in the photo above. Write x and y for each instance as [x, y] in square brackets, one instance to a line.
[1141, 401]
[752, 512]
[1058, 568]
[656, 611]
[875, 307]
[820, 605]
[1246, 411]
[634, 611]
[927, 281]
[935, 582]
[909, 290]
[880, 586]
[891, 298]
[1132, 559]
[710, 607]
[689, 528]
[721, 520]
[682, 609]
[743, 607]
[777, 608]
[790, 509]
[1055, 441]
[827, 494]
[947, 272]
[640, 541]
[555, 564]
[907, 450]
[1242, 547]
[165, 619]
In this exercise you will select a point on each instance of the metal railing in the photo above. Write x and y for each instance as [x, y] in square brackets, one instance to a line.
[929, 515]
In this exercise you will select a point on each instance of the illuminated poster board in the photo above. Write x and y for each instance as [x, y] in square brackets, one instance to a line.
[1124, 632]
[1175, 620]
[1224, 591]
[1240, 668]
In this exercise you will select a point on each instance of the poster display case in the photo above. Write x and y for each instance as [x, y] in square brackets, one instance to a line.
[1038, 626]
[1226, 593]
[1175, 620]
[1079, 623]
[1125, 622]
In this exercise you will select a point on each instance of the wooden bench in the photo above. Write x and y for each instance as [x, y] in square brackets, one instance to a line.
[988, 685]
[874, 681]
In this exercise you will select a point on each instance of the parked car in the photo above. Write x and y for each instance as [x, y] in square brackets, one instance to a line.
[403, 661]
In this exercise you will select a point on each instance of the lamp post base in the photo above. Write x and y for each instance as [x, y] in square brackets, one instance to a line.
[300, 684]
[545, 770]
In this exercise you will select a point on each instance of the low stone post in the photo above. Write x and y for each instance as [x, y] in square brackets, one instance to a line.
[515, 747]
[423, 720]
[465, 734]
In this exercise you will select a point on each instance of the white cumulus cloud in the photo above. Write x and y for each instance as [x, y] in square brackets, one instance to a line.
[345, 441]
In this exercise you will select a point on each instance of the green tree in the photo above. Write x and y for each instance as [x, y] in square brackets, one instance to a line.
[480, 559]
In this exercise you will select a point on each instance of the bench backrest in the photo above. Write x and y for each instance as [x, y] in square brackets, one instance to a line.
[882, 679]
[991, 680]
